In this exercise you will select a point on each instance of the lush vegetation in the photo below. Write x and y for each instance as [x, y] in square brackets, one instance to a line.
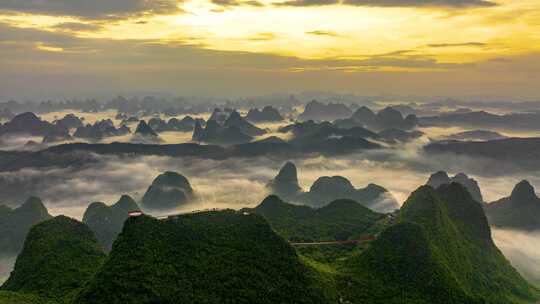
[438, 249]
[9, 297]
[58, 257]
[211, 257]
[339, 220]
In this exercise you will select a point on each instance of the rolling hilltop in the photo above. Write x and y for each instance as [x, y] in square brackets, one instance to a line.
[340, 220]
[438, 249]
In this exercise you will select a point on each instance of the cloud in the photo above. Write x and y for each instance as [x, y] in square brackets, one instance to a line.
[392, 3]
[446, 45]
[263, 37]
[77, 27]
[231, 3]
[521, 248]
[323, 33]
[307, 3]
[6, 265]
[421, 3]
[91, 9]
[104, 67]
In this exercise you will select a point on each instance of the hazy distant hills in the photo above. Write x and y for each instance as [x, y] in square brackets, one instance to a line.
[226, 128]
[315, 110]
[520, 210]
[285, 184]
[168, 191]
[15, 224]
[438, 249]
[329, 188]
[387, 118]
[186, 124]
[520, 152]
[483, 119]
[267, 114]
[80, 153]
[107, 221]
[28, 123]
[476, 135]
[100, 130]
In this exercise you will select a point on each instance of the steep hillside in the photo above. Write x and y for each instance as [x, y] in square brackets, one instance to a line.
[400, 267]
[285, 184]
[440, 251]
[211, 257]
[58, 257]
[441, 178]
[9, 297]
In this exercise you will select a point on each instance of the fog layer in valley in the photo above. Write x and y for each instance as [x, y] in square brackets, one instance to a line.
[523, 251]
[237, 183]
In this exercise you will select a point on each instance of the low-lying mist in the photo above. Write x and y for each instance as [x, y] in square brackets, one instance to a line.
[236, 183]
[523, 251]
[240, 182]
[6, 265]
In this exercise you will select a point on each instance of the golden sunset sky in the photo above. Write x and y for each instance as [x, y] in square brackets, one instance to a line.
[455, 48]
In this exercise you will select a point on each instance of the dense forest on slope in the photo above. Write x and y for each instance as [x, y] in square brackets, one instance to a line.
[210, 257]
[9, 297]
[59, 256]
[339, 220]
[438, 249]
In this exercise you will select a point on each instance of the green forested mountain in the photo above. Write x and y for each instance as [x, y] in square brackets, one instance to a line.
[339, 220]
[437, 250]
[107, 221]
[59, 256]
[9, 297]
[210, 257]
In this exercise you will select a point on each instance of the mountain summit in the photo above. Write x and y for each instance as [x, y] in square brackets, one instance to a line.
[439, 251]
[107, 221]
[523, 192]
[440, 178]
[168, 191]
[15, 224]
[285, 184]
[58, 257]
[521, 210]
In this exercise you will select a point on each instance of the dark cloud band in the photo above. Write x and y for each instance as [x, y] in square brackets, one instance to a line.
[90, 9]
[392, 3]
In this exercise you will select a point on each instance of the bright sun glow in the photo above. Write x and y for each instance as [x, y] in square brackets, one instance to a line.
[345, 32]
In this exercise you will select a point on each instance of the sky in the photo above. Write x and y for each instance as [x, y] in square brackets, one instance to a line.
[456, 48]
